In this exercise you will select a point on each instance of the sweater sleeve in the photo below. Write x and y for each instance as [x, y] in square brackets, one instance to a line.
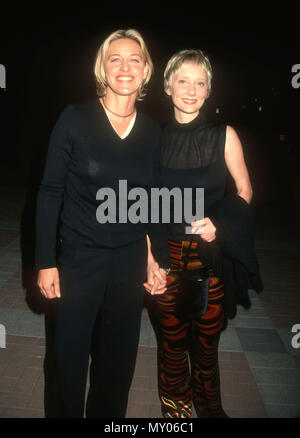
[158, 232]
[51, 190]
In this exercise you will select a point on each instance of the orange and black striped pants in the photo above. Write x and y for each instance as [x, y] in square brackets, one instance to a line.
[188, 371]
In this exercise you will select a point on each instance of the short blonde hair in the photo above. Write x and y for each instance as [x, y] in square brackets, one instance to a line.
[189, 55]
[99, 70]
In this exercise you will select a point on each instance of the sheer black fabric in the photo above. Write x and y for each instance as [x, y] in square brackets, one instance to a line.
[193, 157]
[192, 145]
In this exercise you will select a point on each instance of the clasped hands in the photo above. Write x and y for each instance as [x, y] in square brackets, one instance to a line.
[48, 279]
[156, 278]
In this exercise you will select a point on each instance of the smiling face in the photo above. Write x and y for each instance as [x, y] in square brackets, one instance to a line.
[188, 91]
[125, 67]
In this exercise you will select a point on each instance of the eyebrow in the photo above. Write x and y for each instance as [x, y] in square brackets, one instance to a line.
[132, 54]
[187, 77]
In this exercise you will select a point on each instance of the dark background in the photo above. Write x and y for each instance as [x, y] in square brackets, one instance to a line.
[49, 52]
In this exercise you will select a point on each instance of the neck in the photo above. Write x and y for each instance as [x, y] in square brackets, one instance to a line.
[122, 105]
[182, 117]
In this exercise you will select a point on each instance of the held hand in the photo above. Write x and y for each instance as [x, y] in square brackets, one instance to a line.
[48, 282]
[156, 279]
[205, 229]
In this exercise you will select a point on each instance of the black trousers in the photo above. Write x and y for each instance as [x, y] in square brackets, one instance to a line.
[99, 313]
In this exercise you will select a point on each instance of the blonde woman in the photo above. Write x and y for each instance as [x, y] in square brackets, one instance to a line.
[197, 153]
[101, 267]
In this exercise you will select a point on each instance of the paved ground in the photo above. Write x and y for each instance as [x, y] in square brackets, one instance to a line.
[260, 369]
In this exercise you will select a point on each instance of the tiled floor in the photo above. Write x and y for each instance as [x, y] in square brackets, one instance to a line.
[260, 369]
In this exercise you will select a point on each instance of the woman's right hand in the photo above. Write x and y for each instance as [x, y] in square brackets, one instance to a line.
[48, 282]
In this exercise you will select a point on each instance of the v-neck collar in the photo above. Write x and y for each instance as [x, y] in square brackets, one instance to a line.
[129, 127]
[108, 122]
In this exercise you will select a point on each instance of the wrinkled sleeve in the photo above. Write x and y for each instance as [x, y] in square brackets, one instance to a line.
[51, 190]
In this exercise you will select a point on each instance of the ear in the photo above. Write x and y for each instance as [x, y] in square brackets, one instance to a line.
[167, 89]
[146, 70]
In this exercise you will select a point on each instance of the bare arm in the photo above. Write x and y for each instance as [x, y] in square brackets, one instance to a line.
[156, 277]
[235, 162]
[234, 158]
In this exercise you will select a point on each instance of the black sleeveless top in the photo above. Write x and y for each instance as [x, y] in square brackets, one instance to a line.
[193, 156]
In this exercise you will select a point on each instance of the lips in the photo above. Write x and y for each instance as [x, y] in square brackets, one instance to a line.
[125, 78]
[189, 101]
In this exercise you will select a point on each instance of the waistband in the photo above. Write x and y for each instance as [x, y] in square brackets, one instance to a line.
[178, 250]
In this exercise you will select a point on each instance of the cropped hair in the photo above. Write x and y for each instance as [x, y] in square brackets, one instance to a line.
[195, 56]
[99, 70]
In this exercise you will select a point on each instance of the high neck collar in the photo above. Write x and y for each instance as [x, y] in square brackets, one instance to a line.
[198, 122]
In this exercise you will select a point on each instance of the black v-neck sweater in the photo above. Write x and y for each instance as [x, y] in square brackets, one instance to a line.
[85, 154]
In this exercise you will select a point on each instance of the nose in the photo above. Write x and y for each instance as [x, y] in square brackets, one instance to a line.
[192, 90]
[125, 65]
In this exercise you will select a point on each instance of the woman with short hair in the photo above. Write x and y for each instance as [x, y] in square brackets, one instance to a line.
[98, 275]
[197, 153]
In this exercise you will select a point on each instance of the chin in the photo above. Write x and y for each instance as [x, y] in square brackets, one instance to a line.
[190, 111]
[126, 92]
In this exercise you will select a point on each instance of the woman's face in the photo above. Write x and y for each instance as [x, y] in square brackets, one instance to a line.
[188, 91]
[125, 67]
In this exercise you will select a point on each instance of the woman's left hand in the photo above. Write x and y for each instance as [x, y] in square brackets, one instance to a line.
[205, 229]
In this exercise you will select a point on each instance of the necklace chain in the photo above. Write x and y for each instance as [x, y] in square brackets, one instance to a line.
[115, 114]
